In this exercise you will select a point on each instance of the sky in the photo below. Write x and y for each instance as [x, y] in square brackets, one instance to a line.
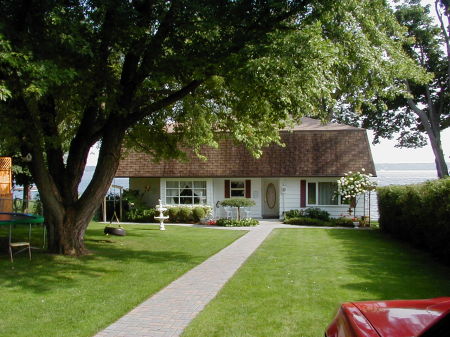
[384, 152]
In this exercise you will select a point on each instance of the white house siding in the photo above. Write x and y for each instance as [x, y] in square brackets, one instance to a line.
[291, 197]
[289, 194]
[149, 186]
[219, 195]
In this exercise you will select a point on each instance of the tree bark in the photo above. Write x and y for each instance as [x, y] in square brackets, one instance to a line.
[433, 132]
[67, 216]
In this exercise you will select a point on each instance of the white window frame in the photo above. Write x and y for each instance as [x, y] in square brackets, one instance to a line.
[204, 199]
[237, 188]
[317, 195]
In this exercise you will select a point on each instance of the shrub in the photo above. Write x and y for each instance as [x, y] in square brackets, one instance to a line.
[305, 221]
[173, 212]
[341, 222]
[185, 214]
[317, 213]
[237, 223]
[141, 215]
[418, 214]
[294, 213]
[198, 213]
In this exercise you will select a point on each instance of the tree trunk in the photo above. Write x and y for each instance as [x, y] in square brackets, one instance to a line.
[26, 198]
[431, 126]
[66, 231]
[439, 158]
[66, 215]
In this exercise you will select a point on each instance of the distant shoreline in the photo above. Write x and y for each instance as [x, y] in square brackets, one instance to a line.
[406, 166]
[378, 167]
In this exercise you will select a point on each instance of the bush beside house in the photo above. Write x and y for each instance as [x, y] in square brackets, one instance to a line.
[315, 217]
[419, 214]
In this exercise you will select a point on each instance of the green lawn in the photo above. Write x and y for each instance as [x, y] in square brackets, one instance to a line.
[293, 284]
[61, 296]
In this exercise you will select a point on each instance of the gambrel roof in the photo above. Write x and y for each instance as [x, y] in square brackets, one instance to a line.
[312, 150]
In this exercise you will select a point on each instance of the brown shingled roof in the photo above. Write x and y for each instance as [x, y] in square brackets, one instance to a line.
[312, 150]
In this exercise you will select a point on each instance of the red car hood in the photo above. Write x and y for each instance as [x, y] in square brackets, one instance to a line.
[403, 318]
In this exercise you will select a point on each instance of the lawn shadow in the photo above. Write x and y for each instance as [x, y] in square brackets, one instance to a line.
[390, 269]
[48, 272]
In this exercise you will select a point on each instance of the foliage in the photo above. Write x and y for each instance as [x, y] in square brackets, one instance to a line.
[418, 214]
[237, 202]
[173, 213]
[293, 213]
[237, 223]
[342, 222]
[141, 215]
[198, 213]
[320, 221]
[187, 214]
[425, 110]
[355, 183]
[135, 198]
[78, 73]
[317, 213]
[306, 221]
[313, 212]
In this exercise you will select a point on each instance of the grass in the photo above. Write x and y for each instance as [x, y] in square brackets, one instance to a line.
[294, 283]
[60, 296]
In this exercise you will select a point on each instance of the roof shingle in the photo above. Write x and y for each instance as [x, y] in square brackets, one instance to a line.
[312, 151]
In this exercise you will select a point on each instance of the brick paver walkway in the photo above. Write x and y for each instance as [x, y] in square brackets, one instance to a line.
[168, 312]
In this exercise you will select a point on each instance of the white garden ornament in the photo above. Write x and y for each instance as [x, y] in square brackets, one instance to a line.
[161, 216]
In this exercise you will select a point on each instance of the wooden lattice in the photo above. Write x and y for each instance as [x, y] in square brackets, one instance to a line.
[5, 163]
[5, 184]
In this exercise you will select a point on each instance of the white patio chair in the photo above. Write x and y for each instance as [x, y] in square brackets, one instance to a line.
[245, 211]
[228, 212]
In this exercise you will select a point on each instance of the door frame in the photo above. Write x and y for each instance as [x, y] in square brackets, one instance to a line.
[266, 211]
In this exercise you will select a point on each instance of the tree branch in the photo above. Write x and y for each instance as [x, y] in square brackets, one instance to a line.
[168, 100]
[446, 38]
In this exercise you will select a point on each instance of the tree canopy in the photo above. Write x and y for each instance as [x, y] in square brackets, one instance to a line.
[422, 109]
[165, 74]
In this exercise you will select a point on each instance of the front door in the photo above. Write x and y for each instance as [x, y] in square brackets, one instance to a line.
[270, 199]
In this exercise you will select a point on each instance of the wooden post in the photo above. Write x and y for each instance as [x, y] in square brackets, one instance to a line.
[104, 209]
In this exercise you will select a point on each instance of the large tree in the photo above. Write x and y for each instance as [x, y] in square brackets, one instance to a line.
[423, 110]
[162, 74]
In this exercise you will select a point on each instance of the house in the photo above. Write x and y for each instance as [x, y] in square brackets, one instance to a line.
[300, 175]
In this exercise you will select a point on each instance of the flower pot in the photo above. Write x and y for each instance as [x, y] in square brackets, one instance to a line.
[356, 224]
[114, 231]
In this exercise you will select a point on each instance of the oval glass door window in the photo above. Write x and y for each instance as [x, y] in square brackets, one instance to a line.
[271, 195]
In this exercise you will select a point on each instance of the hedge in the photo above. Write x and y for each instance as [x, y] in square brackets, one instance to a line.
[180, 214]
[419, 214]
[237, 223]
[306, 221]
